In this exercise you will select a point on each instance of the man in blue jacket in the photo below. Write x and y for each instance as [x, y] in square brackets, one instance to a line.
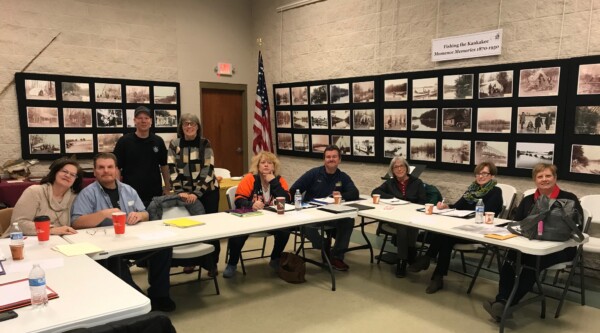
[321, 182]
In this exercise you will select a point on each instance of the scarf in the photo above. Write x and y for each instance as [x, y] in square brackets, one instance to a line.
[476, 192]
[552, 195]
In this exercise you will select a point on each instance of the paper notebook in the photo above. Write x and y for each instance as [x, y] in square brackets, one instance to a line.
[77, 249]
[16, 294]
[183, 223]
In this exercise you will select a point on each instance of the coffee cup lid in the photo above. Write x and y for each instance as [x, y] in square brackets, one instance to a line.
[41, 218]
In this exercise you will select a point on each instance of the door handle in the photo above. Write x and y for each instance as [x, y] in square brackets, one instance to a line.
[239, 150]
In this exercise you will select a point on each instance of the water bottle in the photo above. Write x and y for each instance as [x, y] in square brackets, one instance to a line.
[37, 286]
[298, 200]
[16, 242]
[479, 211]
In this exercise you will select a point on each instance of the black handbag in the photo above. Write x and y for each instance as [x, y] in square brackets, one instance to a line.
[550, 220]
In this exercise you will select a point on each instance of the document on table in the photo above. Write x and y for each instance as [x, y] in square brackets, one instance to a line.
[288, 208]
[77, 249]
[483, 229]
[455, 212]
[394, 201]
[183, 222]
[16, 294]
[322, 201]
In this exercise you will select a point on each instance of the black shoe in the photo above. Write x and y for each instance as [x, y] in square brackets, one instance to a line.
[496, 309]
[401, 269]
[164, 304]
[421, 264]
[437, 283]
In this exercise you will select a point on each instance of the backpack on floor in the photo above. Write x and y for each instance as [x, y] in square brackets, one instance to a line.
[291, 268]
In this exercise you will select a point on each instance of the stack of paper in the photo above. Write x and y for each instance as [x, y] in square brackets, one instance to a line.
[77, 249]
[183, 222]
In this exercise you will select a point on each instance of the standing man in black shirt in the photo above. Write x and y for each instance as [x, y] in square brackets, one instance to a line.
[142, 158]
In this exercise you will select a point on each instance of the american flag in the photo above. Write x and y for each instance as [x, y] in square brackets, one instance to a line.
[262, 117]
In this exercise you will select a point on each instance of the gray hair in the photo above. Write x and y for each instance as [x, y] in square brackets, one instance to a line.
[185, 118]
[401, 160]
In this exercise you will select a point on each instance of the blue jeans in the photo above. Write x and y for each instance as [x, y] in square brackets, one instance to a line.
[343, 232]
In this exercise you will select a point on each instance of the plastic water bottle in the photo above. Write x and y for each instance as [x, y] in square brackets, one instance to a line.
[298, 200]
[479, 211]
[37, 286]
[16, 235]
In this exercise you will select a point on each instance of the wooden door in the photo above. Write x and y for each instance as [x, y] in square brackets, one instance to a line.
[222, 117]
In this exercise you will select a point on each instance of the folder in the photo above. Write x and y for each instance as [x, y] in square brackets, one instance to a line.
[183, 223]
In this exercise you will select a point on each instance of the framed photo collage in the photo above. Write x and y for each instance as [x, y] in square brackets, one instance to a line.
[516, 115]
[65, 115]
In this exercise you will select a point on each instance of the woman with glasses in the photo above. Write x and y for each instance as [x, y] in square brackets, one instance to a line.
[484, 187]
[404, 186]
[191, 163]
[53, 197]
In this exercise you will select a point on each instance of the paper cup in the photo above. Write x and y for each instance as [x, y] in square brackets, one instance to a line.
[119, 219]
[489, 217]
[428, 209]
[42, 227]
[376, 198]
[17, 251]
[337, 199]
[280, 201]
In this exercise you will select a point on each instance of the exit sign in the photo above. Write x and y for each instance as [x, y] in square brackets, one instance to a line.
[224, 68]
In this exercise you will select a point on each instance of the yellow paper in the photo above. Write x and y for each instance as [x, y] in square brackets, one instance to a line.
[77, 249]
[183, 222]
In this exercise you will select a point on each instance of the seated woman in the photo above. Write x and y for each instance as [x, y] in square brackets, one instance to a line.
[484, 187]
[257, 190]
[403, 186]
[53, 197]
[544, 176]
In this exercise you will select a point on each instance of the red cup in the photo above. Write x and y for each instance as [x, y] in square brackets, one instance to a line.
[42, 227]
[119, 219]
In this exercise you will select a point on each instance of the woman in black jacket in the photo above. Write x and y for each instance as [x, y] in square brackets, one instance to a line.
[403, 186]
[544, 176]
[484, 187]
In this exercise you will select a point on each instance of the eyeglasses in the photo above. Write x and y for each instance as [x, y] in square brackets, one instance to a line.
[483, 174]
[67, 173]
[94, 231]
[189, 124]
[399, 167]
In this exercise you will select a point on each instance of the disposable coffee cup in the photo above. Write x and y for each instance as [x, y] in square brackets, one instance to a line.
[337, 199]
[17, 251]
[376, 198]
[280, 202]
[119, 219]
[428, 209]
[489, 217]
[42, 227]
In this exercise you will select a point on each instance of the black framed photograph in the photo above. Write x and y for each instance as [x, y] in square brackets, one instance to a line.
[301, 142]
[318, 94]
[363, 92]
[40, 90]
[283, 119]
[425, 89]
[300, 119]
[458, 86]
[79, 143]
[109, 118]
[340, 119]
[394, 146]
[44, 144]
[284, 141]
[107, 141]
[528, 154]
[456, 151]
[167, 137]
[535, 82]
[339, 93]
[364, 119]
[165, 95]
[496, 84]
[537, 119]
[319, 142]
[108, 92]
[588, 80]
[137, 94]
[395, 90]
[394, 119]
[77, 117]
[456, 120]
[423, 120]
[282, 96]
[318, 119]
[165, 118]
[492, 151]
[343, 142]
[299, 95]
[423, 149]
[75, 92]
[587, 120]
[363, 146]
[42, 117]
[494, 120]
[585, 159]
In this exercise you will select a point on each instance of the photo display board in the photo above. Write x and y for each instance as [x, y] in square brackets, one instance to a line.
[65, 115]
[516, 115]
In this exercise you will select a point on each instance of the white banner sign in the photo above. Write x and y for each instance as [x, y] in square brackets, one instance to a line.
[481, 44]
